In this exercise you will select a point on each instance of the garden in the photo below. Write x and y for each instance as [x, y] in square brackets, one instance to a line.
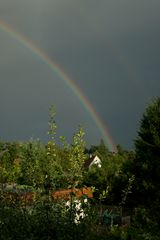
[47, 192]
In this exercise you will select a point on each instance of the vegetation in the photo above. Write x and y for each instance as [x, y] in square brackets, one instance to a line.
[127, 186]
[146, 164]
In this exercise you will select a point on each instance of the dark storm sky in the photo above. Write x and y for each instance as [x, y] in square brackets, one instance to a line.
[110, 49]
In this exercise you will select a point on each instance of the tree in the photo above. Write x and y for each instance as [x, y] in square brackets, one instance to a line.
[32, 163]
[76, 157]
[101, 148]
[66, 163]
[112, 178]
[147, 162]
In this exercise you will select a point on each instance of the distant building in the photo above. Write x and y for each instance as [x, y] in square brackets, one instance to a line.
[93, 160]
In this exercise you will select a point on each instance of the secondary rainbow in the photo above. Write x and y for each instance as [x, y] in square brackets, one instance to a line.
[66, 79]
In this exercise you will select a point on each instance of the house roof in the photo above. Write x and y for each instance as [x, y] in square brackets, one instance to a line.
[89, 161]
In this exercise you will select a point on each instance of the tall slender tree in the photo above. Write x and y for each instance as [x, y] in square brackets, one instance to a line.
[147, 162]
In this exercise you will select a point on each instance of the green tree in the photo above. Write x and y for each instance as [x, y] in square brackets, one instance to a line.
[52, 168]
[9, 156]
[32, 163]
[76, 158]
[65, 164]
[101, 150]
[109, 178]
[147, 162]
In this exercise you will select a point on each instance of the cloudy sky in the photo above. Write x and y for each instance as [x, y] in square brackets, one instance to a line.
[109, 48]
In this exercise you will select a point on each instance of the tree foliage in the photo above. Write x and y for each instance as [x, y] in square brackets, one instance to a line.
[147, 163]
[51, 166]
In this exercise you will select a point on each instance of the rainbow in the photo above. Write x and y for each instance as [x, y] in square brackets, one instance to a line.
[66, 79]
